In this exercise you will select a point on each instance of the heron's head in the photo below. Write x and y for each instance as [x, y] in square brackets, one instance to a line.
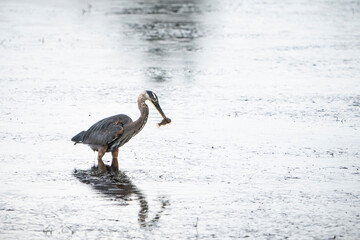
[151, 96]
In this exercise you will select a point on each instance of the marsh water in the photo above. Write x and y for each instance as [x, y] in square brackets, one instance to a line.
[264, 98]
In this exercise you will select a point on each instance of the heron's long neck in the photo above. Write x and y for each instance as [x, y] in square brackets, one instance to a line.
[144, 113]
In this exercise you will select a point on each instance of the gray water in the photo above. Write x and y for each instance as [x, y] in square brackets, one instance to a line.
[264, 98]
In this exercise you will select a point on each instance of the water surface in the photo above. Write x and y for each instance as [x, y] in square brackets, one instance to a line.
[264, 101]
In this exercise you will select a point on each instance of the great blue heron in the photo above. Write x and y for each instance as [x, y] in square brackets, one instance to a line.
[109, 134]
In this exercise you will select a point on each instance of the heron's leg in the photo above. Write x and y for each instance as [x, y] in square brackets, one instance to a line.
[114, 163]
[101, 164]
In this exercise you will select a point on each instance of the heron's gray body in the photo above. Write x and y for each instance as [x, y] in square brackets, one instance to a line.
[104, 132]
[113, 131]
[108, 134]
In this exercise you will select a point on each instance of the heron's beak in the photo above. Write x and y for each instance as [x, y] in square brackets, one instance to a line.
[157, 106]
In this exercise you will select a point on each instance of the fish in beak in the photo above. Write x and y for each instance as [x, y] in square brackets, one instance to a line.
[165, 119]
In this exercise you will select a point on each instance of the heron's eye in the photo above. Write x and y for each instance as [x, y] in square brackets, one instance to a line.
[155, 97]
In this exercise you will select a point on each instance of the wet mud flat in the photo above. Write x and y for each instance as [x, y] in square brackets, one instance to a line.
[265, 109]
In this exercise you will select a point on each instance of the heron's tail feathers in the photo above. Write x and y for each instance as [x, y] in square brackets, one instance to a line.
[78, 138]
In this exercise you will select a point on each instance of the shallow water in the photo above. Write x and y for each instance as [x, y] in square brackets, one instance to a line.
[264, 101]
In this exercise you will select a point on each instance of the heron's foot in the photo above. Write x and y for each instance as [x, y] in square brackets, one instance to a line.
[102, 167]
[115, 165]
[114, 169]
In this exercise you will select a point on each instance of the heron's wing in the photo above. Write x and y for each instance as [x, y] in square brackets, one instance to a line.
[106, 130]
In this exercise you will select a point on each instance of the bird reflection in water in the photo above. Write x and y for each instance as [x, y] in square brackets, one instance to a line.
[119, 186]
